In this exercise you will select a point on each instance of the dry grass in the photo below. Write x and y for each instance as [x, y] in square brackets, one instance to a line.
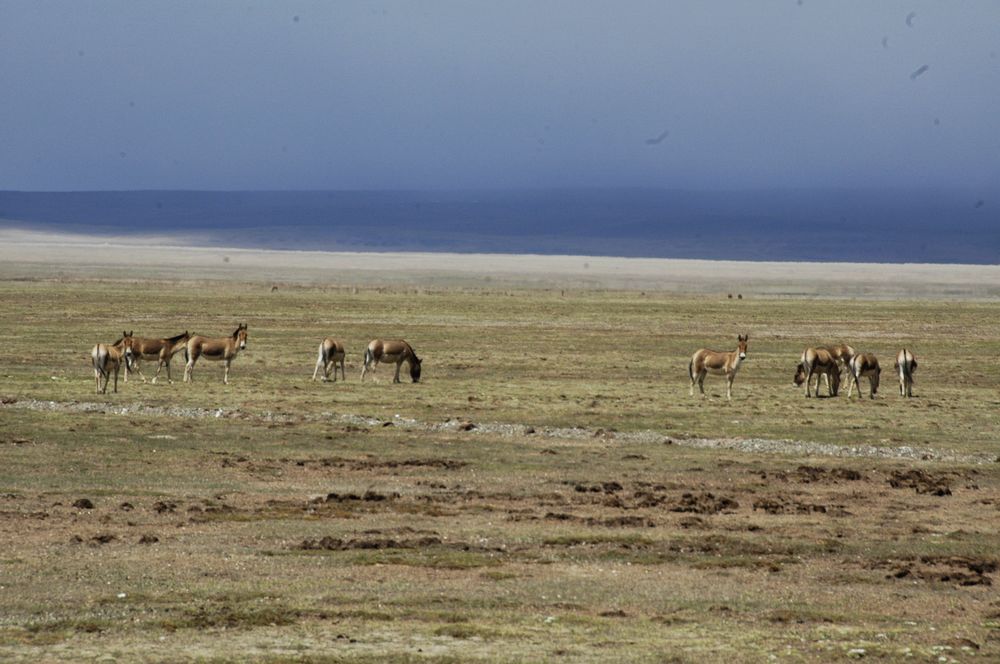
[282, 531]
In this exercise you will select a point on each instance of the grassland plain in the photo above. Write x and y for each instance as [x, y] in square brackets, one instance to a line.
[536, 497]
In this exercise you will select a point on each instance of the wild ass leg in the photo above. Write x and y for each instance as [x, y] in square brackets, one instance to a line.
[135, 369]
[166, 363]
[225, 378]
[729, 385]
[116, 379]
[319, 363]
[97, 377]
[395, 378]
[701, 381]
[342, 376]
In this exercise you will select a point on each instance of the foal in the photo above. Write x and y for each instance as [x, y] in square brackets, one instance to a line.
[331, 353]
[106, 358]
[906, 364]
[705, 361]
[215, 348]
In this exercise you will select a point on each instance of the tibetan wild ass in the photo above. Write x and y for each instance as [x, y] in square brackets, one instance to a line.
[215, 348]
[842, 353]
[864, 364]
[331, 353]
[706, 361]
[818, 362]
[161, 350]
[906, 364]
[395, 350]
[106, 358]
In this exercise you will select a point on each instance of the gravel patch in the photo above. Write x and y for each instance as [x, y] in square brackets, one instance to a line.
[648, 436]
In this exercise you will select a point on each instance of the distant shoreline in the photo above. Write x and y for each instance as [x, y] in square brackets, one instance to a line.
[39, 255]
[817, 225]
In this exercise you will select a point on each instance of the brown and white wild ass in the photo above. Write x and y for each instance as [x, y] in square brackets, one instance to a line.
[906, 364]
[706, 361]
[864, 364]
[106, 358]
[818, 362]
[842, 353]
[214, 348]
[161, 350]
[393, 350]
[331, 353]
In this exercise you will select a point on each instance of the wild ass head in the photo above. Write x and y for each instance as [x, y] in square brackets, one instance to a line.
[240, 335]
[743, 339]
[415, 368]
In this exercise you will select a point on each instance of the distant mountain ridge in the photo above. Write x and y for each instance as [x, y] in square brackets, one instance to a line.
[891, 226]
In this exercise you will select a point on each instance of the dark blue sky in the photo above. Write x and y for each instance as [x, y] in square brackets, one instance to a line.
[452, 95]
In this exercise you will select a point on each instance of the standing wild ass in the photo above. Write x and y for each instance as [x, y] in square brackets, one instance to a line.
[842, 353]
[161, 350]
[906, 364]
[818, 362]
[331, 353]
[394, 350]
[864, 364]
[215, 348]
[106, 358]
[705, 361]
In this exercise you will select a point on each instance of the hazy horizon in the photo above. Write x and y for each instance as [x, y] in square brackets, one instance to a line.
[809, 224]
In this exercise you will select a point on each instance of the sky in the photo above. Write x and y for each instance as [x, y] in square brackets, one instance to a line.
[428, 94]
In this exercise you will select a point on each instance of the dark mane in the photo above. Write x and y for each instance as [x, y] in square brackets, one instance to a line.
[178, 337]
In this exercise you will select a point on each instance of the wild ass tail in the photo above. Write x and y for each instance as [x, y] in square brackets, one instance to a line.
[99, 356]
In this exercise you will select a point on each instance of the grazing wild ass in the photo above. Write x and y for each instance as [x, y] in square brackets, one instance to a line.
[395, 350]
[818, 362]
[864, 364]
[331, 353]
[106, 358]
[215, 348]
[706, 361]
[906, 364]
[842, 353]
[161, 350]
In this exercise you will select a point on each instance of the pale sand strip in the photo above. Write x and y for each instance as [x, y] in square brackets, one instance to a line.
[35, 255]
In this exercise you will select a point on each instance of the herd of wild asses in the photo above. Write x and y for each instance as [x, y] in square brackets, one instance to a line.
[132, 350]
[823, 362]
[820, 361]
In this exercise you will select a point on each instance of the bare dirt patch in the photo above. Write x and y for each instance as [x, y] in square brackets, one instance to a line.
[920, 481]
